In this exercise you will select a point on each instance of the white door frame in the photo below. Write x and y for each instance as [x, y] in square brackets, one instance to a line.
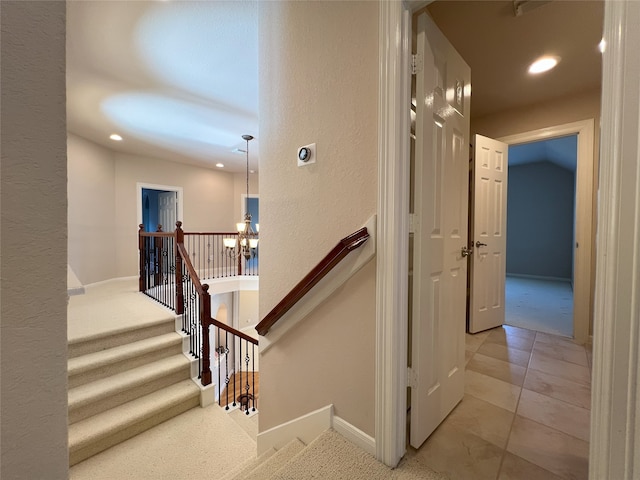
[151, 186]
[614, 396]
[584, 232]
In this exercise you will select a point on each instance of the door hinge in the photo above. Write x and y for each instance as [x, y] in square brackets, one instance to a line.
[412, 378]
[414, 222]
[416, 63]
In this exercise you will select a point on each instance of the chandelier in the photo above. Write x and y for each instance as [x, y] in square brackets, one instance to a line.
[246, 244]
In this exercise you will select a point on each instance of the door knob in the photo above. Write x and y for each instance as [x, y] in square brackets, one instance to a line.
[480, 244]
[465, 252]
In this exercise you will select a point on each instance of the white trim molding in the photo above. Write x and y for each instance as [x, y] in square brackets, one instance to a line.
[584, 232]
[393, 232]
[615, 405]
[151, 186]
[308, 427]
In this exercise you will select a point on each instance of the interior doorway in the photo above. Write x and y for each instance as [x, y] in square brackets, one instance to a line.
[541, 234]
[159, 205]
[582, 236]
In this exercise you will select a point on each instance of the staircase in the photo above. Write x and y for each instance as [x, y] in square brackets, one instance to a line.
[329, 456]
[123, 383]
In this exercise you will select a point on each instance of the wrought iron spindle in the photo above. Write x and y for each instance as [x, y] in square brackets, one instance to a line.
[246, 387]
[253, 378]
[226, 368]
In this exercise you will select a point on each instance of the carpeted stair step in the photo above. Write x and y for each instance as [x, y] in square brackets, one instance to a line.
[249, 423]
[99, 432]
[96, 397]
[276, 462]
[103, 341]
[333, 456]
[242, 470]
[95, 366]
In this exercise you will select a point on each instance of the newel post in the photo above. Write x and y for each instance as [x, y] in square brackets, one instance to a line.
[143, 256]
[205, 316]
[179, 234]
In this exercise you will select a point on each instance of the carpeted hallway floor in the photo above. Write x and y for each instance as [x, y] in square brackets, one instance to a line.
[541, 305]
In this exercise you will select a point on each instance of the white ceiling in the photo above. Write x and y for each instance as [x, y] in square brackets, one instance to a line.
[179, 79]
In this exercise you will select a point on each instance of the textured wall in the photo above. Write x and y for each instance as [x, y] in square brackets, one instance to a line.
[33, 349]
[318, 83]
[540, 220]
[92, 212]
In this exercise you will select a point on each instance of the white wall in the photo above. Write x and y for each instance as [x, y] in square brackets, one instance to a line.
[33, 397]
[91, 210]
[318, 83]
[248, 308]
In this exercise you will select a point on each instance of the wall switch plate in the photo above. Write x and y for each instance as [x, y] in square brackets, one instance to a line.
[307, 155]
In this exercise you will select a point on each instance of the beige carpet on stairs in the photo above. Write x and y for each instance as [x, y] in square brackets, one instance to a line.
[331, 456]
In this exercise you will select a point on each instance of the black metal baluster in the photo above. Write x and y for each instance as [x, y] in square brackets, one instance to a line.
[218, 353]
[226, 367]
[247, 386]
[235, 368]
[253, 370]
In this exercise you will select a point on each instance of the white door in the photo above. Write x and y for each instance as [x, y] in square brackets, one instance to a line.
[440, 227]
[167, 210]
[489, 239]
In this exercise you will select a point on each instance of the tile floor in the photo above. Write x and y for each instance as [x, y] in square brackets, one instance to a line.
[525, 413]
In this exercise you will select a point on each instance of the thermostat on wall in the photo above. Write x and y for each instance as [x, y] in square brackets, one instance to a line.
[307, 155]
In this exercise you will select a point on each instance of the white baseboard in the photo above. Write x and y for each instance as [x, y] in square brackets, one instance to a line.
[308, 427]
[539, 277]
[355, 435]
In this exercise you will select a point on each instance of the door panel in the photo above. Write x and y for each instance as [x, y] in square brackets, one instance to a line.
[439, 272]
[167, 211]
[489, 222]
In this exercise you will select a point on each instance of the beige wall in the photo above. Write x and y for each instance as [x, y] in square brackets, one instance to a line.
[319, 71]
[566, 110]
[208, 201]
[33, 397]
[248, 308]
[91, 211]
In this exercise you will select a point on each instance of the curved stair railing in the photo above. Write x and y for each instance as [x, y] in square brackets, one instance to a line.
[333, 258]
[168, 275]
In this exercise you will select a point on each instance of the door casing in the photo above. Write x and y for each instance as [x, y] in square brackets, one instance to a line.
[584, 232]
[151, 186]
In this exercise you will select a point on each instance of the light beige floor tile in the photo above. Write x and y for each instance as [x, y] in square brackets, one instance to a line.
[467, 356]
[483, 419]
[516, 468]
[550, 449]
[560, 388]
[492, 390]
[502, 352]
[473, 342]
[460, 455]
[519, 332]
[572, 354]
[560, 368]
[502, 337]
[499, 369]
[557, 340]
[555, 413]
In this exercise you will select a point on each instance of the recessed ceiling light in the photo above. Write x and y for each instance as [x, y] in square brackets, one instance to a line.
[220, 165]
[116, 137]
[252, 171]
[543, 64]
[602, 45]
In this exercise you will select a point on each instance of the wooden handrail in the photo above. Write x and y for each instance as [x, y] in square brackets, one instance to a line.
[204, 290]
[335, 256]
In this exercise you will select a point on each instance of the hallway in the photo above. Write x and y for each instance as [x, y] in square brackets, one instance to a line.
[525, 413]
